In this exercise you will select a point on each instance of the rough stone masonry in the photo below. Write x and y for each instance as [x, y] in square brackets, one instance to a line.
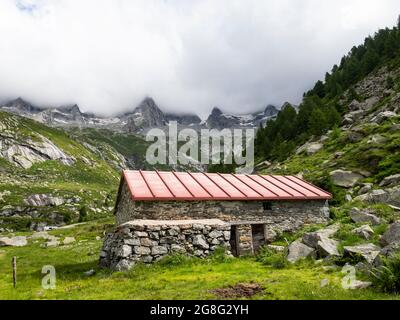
[150, 240]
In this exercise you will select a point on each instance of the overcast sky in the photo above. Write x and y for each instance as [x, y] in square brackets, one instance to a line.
[106, 55]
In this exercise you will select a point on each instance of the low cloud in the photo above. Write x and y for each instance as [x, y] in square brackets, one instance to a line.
[106, 55]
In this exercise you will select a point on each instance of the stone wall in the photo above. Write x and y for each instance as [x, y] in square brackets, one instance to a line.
[149, 240]
[281, 216]
[244, 240]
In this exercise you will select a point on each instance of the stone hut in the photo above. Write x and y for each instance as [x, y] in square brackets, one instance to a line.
[162, 212]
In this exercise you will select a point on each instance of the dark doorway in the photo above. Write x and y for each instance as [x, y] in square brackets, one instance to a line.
[257, 232]
[233, 240]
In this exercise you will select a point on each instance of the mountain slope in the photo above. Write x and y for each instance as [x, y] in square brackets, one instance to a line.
[366, 146]
[47, 177]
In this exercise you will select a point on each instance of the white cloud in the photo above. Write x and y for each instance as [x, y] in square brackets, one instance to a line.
[106, 55]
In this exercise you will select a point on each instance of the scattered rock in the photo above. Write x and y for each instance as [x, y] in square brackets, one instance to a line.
[348, 197]
[362, 216]
[19, 241]
[68, 240]
[383, 116]
[366, 187]
[354, 137]
[310, 148]
[345, 179]
[392, 234]
[365, 232]
[298, 250]
[41, 235]
[327, 247]
[367, 251]
[374, 196]
[51, 243]
[324, 283]
[40, 200]
[390, 181]
[377, 139]
[89, 273]
[311, 238]
[357, 284]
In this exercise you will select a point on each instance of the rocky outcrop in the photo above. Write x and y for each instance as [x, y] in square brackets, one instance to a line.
[26, 152]
[345, 179]
[149, 240]
[40, 200]
[146, 115]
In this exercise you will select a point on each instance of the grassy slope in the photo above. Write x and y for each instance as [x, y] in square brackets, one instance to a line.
[188, 279]
[131, 146]
[380, 160]
[92, 183]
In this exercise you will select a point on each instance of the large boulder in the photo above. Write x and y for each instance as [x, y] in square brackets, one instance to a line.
[367, 252]
[327, 247]
[345, 179]
[19, 241]
[310, 148]
[374, 196]
[392, 234]
[362, 216]
[298, 250]
[311, 238]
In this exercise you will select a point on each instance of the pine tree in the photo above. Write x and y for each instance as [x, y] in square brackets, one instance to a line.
[318, 122]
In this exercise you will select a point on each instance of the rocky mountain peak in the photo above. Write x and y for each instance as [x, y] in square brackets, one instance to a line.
[73, 109]
[270, 111]
[216, 111]
[20, 106]
[146, 115]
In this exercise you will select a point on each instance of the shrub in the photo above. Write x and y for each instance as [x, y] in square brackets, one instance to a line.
[387, 277]
[271, 258]
[82, 214]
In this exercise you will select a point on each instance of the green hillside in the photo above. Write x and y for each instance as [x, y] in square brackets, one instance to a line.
[86, 187]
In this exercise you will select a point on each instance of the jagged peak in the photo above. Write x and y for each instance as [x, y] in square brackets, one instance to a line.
[216, 111]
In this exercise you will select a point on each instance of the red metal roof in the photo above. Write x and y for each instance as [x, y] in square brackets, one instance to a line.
[161, 185]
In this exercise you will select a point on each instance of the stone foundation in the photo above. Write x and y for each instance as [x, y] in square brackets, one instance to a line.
[150, 240]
